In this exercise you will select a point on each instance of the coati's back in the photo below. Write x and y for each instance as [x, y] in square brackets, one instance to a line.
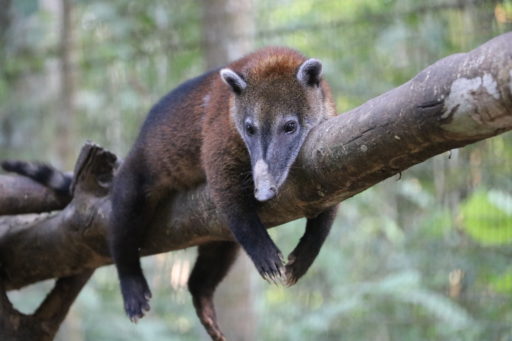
[168, 146]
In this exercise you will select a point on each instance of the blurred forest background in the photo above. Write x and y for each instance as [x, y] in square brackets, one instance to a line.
[424, 256]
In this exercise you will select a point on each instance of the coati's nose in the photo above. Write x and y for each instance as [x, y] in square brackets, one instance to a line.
[265, 193]
[264, 185]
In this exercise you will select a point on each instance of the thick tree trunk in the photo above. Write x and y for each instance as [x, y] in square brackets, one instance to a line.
[66, 114]
[459, 100]
[5, 22]
[228, 30]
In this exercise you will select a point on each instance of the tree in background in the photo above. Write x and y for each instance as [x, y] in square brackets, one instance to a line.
[409, 265]
[66, 117]
[227, 28]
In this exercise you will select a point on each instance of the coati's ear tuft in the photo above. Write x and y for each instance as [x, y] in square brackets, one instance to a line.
[310, 72]
[234, 80]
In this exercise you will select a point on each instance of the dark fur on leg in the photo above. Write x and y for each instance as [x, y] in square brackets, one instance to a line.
[131, 211]
[252, 235]
[213, 263]
[309, 245]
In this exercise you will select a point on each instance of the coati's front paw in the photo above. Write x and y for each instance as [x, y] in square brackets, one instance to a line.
[136, 295]
[270, 265]
[295, 269]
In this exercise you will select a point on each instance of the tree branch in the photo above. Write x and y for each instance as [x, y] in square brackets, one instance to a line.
[21, 195]
[45, 322]
[459, 100]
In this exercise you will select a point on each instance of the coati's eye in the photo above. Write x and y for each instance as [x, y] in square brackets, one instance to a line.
[250, 129]
[290, 127]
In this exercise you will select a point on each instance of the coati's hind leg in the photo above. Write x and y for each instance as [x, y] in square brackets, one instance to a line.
[131, 210]
[309, 245]
[213, 262]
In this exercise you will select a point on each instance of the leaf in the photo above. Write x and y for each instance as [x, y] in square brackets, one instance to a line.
[503, 283]
[487, 217]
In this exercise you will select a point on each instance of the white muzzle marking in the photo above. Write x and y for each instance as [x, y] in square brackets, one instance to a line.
[264, 184]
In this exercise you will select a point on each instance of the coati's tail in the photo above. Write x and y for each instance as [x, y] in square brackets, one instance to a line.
[42, 173]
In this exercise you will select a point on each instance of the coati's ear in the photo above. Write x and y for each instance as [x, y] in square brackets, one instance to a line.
[234, 80]
[310, 72]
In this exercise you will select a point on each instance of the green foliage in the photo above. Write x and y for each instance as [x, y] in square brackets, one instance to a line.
[345, 309]
[423, 257]
[502, 283]
[487, 217]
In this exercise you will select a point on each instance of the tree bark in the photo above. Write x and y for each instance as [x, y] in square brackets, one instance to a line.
[227, 29]
[459, 100]
[21, 195]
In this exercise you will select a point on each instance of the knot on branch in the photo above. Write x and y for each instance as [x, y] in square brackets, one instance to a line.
[94, 170]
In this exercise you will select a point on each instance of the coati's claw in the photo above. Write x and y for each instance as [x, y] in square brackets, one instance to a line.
[277, 279]
[281, 260]
[272, 278]
[290, 271]
[136, 296]
[290, 278]
[273, 273]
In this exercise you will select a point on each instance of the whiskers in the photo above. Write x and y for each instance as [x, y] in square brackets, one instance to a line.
[246, 179]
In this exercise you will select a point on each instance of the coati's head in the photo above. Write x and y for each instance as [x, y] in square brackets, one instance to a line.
[279, 96]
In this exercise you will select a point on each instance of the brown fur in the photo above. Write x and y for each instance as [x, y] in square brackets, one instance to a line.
[191, 136]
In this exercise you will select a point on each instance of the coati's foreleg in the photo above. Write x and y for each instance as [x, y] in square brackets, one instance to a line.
[233, 194]
[252, 235]
[301, 258]
[131, 210]
[213, 263]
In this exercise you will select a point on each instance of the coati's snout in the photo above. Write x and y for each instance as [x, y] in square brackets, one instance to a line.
[272, 152]
[265, 187]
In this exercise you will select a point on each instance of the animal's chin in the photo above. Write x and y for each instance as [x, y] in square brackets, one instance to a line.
[269, 195]
[265, 196]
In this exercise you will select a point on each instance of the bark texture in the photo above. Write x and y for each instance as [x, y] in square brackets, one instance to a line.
[21, 195]
[459, 100]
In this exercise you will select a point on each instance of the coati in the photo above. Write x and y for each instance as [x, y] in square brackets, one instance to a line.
[250, 117]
